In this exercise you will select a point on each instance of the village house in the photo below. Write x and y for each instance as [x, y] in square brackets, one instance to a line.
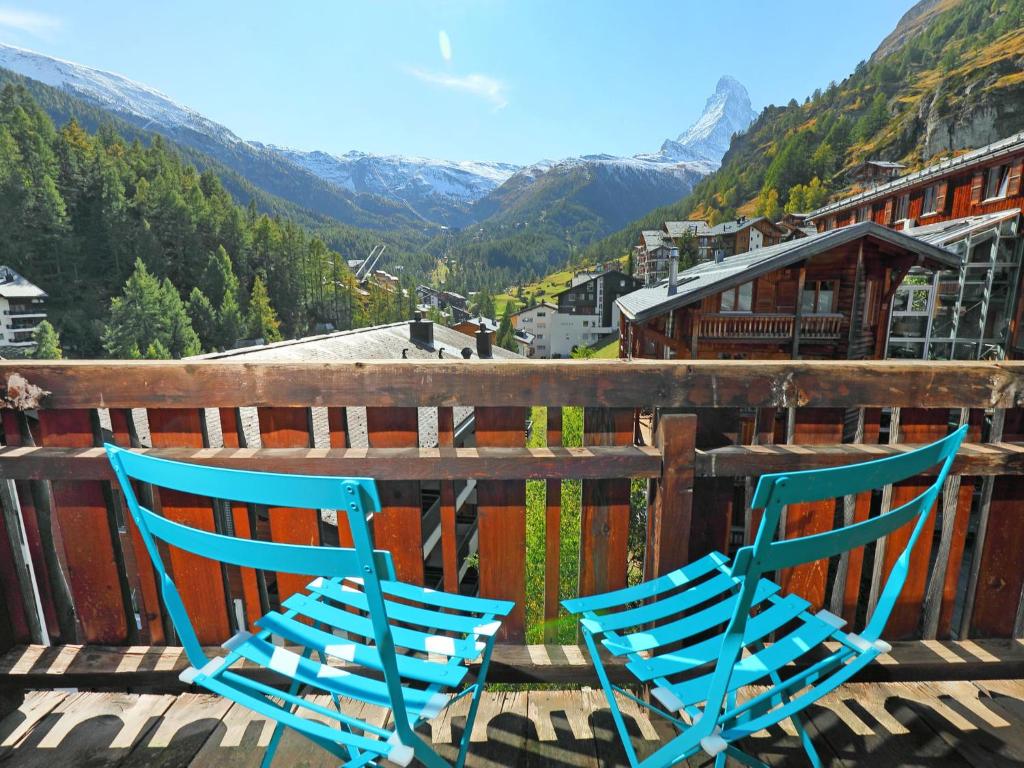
[871, 173]
[23, 307]
[969, 204]
[824, 296]
[651, 256]
[581, 315]
[729, 238]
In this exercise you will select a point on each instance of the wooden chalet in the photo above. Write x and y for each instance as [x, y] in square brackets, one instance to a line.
[823, 296]
[984, 180]
[728, 238]
[873, 172]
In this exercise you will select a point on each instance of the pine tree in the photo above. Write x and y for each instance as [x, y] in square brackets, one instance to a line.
[506, 336]
[181, 339]
[47, 342]
[136, 317]
[230, 323]
[204, 318]
[157, 351]
[262, 320]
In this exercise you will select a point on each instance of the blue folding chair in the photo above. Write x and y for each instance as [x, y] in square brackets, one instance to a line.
[355, 611]
[670, 629]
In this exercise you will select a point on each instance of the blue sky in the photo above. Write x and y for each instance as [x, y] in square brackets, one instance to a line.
[513, 80]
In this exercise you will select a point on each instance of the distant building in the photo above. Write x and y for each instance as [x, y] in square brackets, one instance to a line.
[653, 254]
[729, 238]
[540, 320]
[473, 323]
[596, 296]
[871, 173]
[23, 308]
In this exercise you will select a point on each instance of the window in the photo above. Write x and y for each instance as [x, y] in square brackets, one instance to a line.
[586, 323]
[738, 299]
[997, 181]
[863, 213]
[542, 314]
[902, 207]
[928, 206]
[819, 297]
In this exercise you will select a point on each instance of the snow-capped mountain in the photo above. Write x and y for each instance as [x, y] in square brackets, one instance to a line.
[121, 94]
[385, 191]
[727, 112]
[439, 190]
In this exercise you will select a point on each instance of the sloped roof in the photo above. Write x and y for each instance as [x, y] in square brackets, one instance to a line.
[728, 227]
[713, 277]
[14, 286]
[678, 228]
[991, 151]
[944, 232]
[652, 238]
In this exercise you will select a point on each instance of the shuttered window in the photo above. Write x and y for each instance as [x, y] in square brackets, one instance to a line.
[1016, 169]
[977, 185]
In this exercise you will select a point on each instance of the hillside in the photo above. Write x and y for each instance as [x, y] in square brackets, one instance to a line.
[949, 77]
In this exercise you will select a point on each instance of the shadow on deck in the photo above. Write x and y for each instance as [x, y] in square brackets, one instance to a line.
[947, 725]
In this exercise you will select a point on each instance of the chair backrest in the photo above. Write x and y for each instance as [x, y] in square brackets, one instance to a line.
[767, 554]
[353, 497]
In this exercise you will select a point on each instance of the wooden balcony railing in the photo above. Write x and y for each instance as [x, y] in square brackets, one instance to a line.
[71, 562]
[768, 326]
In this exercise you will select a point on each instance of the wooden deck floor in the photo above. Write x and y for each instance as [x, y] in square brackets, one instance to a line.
[947, 725]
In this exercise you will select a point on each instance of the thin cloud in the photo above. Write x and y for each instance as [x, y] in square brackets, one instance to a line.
[28, 21]
[483, 86]
[445, 44]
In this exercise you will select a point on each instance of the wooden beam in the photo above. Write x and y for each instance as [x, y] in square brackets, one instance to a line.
[602, 383]
[158, 667]
[670, 518]
[483, 463]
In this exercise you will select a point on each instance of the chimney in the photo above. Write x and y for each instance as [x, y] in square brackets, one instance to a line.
[673, 271]
[421, 331]
[483, 343]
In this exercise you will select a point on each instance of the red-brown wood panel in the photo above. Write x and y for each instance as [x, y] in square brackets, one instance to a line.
[862, 509]
[1001, 573]
[290, 428]
[243, 582]
[10, 591]
[917, 425]
[12, 437]
[399, 526]
[199, 580]
[604, 519]
[812, 425]
[501, 509]
[80, 509]
[337, 424]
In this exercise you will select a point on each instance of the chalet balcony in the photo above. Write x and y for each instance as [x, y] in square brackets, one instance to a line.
[577, 504]
[763, 326]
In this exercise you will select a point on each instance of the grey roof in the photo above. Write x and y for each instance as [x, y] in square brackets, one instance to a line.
[380, 342]
[713, 277]
[478, 320]
[678, 228]
[990, 152]
[945, 232]
[887, 164]
[544, 304]
[14, 286]
[652, 238]
[727, 227]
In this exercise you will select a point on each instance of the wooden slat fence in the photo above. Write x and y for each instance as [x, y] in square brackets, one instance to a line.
[719, 425]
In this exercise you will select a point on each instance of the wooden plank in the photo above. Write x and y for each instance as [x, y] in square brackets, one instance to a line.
[604, 518]
[552, 532]
[398, 527]
[501, 510]
[916, 425]
[45, 540]
[158, 667]
[611, 383]
[449, 527]
[1000, 577]
[974, 459]
[382, 463]
[290, 428]
[811, 425]
[200, 581]
[80, 510]
[18, 571]
[670, 519]
[14, 727]
[183, 729]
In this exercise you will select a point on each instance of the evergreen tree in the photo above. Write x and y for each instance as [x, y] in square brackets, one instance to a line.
[47, 342]
[204, 318]
[506, 338]
[181, 339]
[230, 322]
[136, 317]
[157, 351]
[262, 320]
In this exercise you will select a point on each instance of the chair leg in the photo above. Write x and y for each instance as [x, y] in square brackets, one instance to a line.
[609, 692]
[474, 704]
[275, 738]
[805, 741]
[741, 757]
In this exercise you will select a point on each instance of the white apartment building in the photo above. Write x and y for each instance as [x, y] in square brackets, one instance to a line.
[556, 334]
[22, 307]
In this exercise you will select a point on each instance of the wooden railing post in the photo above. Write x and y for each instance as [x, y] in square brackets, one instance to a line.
[671, 515]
